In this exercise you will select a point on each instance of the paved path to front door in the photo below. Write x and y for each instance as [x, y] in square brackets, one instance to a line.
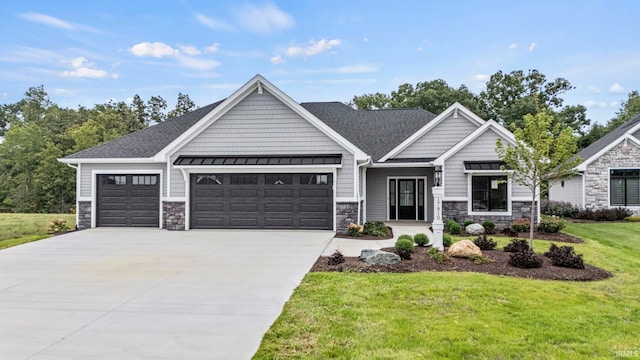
[149, 293]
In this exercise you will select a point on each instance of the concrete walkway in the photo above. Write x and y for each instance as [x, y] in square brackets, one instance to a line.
[350, 247]
[149, 293]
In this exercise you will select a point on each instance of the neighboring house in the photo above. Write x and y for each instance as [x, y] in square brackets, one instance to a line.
[258, 159]
[609, 175]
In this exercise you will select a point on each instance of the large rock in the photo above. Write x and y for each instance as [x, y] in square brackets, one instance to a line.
[464, 249]
[379, 257]
[474, 229]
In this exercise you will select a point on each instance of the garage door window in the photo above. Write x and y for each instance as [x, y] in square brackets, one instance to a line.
[314, 179]
[278, 179]
[144, 180]
[114, 180]
[244, 179]
[209, 179]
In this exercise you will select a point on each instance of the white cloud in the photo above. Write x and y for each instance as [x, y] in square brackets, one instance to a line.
[614, 104]
[365, 39]
[82, 68]
[593, 89]
[532, 46]
[197, 63]
[313, 48]
[595, 104]
[47, 20]
[277, 59]
[190, 50]
[419, 48]
[155, 49]
[480, 77]
[212, 48]
[212, 23]
[616, 89]
[513, 46]
[263, 19]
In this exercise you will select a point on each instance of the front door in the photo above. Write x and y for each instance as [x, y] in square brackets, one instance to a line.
[406, 199]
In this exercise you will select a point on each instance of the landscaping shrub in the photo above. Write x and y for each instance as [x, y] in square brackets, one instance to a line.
[436, 255]
[421, 239]
[558, 208]
[613, 214]
[516, 245]
[525, 259]
[58, 226]
[404, 247]
[485, 244]
[477, 259]
[335, 258]
[407, 237]
[455, 229]
[355, 230]
[448, 224]
[564, 256]
[633, 218]
[489, 227]
[509, 232]
[446, 240]
[551, 225]
[468, 222]
[377, 229]
[521, 225]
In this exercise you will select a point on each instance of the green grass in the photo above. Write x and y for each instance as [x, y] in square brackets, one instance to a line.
[469, 315]
[16, 229]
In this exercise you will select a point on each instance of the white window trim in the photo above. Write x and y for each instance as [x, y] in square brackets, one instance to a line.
[426, 211]
[470, 194]
[633, 208]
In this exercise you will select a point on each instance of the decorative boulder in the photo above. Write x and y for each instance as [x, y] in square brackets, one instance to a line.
[464, 249]
[379, 257]
[474, 229]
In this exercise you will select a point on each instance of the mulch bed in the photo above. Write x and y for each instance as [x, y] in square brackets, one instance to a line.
[420, 261]
[367, 237]
[561, 237]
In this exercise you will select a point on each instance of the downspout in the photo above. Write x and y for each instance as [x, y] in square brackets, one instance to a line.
[358, 196]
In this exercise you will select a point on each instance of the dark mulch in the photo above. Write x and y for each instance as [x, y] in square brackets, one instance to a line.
[420, 261]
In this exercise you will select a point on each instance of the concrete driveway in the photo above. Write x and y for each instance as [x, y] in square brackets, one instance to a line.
[149, 293]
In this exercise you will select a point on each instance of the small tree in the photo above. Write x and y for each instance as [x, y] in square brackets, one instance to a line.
[542, 153]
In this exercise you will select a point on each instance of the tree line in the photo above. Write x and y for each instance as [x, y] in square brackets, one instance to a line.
[37, 132]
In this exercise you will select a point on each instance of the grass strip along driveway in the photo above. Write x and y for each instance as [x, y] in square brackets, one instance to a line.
[16, 229]
[469, 315]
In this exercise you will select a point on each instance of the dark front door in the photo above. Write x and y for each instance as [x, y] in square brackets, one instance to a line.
[406, 199]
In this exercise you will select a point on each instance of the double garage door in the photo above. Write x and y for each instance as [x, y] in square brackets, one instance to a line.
[261, 201]
[128, 200]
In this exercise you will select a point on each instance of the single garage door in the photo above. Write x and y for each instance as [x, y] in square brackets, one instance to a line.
[262, 201]
[128, 200]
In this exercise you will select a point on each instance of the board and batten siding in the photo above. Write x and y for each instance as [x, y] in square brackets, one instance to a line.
[483, 148]
[569, 190]
[261, 124]
[85, 176]
[440, 138]
[377, 190]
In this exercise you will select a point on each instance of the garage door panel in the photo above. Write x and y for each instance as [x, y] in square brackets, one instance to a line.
[260, 203]
[125, 204]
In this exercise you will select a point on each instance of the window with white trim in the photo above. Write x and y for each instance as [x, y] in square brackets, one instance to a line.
[624, 187]
[489, 193]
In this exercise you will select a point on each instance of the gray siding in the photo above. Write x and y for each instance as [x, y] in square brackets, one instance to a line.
[637, 134]
[85, 176]
[261, 124]
[377, 202]
[570, 192]
[482, 148]
[439, 139]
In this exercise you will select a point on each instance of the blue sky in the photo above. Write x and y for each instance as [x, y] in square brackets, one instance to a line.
[86, 52]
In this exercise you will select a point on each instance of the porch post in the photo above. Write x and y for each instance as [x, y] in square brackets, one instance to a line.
[437, 224]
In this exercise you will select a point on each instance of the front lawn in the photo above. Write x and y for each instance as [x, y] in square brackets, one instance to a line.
[16, 229]
[469, 315]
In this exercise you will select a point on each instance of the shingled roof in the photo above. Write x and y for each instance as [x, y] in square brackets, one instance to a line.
[609, 138]
[376, 132]
[147, 142]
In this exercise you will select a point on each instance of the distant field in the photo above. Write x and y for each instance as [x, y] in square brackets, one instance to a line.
[17, 229]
